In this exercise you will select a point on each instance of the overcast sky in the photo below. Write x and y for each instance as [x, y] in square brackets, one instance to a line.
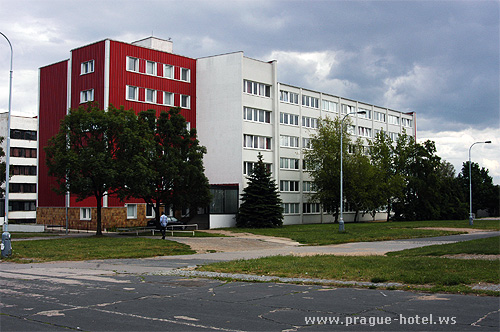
[439, 59]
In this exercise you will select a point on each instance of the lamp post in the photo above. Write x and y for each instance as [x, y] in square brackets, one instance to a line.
[6, 247]
[471, 217]
[341, 220]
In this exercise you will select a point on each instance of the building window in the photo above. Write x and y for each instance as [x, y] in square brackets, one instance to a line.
[290, 186]
[367, 115]
[87, 67]
[132, 92]
[22, 205]
[378, 116]
[257, 142]
[254, 88]
[289, 119]
[85, 214]
[392, 119]
[29, 135]
[168, 98]
[310, 101]
[248, 167]
[308, 187]
[23, 152]
[86, 96]
[289, 141]
[289, 163]
[224, 199]
[393, 136]
[151, 96]
[329, 106]
[406, 122]
[150, 68]
[22, 188]
[168, 71]
[150, 211]
[311, 208]
[23, 170]
[290, 208]
[289, 97]
[306, 143]
[345, 109]
[364, 132]
[132, 64]
[131, 211]
[309, 122]
[256, 115]
[185, 75]
[185, 101]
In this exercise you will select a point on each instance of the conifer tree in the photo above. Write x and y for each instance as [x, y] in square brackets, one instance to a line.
[261, 204]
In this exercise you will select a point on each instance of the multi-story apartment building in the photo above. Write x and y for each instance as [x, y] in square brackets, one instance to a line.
[23, 167]
[237, 105]
[243, 110]
[139, 76]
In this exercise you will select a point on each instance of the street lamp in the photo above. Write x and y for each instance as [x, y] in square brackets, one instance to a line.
[341, 221]
[6, 247]
[471, 217]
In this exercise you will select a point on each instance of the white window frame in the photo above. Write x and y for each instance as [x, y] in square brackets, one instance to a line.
[168, 69]
[87, 67]
[289, 141]
[185, 101]
[168, 98]
[367, 115]
[135, 97]
[329, 106]
[310, 101]
[150, 100]
[257, 142]
[134, 210]
[135, 62]
[393, 119]
[306, 143]
[289, 119]
[248, 167]
[151, 68]
[308, 187]
[187, 73]
[85, 213]
[289, 163]
[256, 115]
[379, 116]
[289, 97]
[289, 186]
[290, 208]
[257, 89]
[309, 122]
[311, 208]
[153, 214]
[86, 96]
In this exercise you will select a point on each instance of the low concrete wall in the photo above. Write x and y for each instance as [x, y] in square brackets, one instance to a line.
[26, 228]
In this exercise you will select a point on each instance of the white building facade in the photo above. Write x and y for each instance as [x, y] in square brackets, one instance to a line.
[242, 110]
[23, 166]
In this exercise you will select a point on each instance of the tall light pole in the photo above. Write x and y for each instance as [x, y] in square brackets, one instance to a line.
[341, 220]
[6, 248]
[471, 217]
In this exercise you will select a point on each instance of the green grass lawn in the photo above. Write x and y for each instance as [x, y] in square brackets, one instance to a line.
[93, 247]
[322, 234]
[488, 246]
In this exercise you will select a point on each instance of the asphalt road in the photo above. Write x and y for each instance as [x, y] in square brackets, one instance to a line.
[143, 295]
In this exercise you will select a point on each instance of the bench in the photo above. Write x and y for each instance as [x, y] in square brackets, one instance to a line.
[136, 230]
[180, 229]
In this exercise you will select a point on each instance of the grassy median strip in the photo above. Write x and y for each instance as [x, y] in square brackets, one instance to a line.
[487, 246]
[322, 234]
[94, 247]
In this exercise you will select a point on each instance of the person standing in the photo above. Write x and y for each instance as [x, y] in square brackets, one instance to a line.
[163, 225]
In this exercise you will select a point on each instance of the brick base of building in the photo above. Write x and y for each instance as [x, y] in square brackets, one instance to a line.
[111, 217]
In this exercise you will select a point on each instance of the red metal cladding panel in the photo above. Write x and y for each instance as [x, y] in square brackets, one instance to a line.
[120, 77]
[92, 80]
[52, 108]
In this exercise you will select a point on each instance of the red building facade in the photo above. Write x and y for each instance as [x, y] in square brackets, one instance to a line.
[139, 76]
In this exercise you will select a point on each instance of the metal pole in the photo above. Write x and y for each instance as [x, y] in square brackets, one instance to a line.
[471, 217]
[6, 235]
[341, 220]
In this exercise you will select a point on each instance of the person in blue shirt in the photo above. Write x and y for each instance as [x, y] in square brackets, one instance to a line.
[163, 224]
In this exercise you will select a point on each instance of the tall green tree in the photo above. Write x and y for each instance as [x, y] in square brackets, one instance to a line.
[485, 195]
[174, 163]
[95, 153]
[391, 182]
[260, 202]
[323, 163]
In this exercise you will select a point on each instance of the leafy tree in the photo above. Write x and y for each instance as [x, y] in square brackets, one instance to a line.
[261, 204]
[391, 182]
[95, 153]
[485, 195]
[323, 163]
[174, 164]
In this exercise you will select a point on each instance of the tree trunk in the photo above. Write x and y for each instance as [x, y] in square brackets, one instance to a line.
[388, 209]
[99, 207]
